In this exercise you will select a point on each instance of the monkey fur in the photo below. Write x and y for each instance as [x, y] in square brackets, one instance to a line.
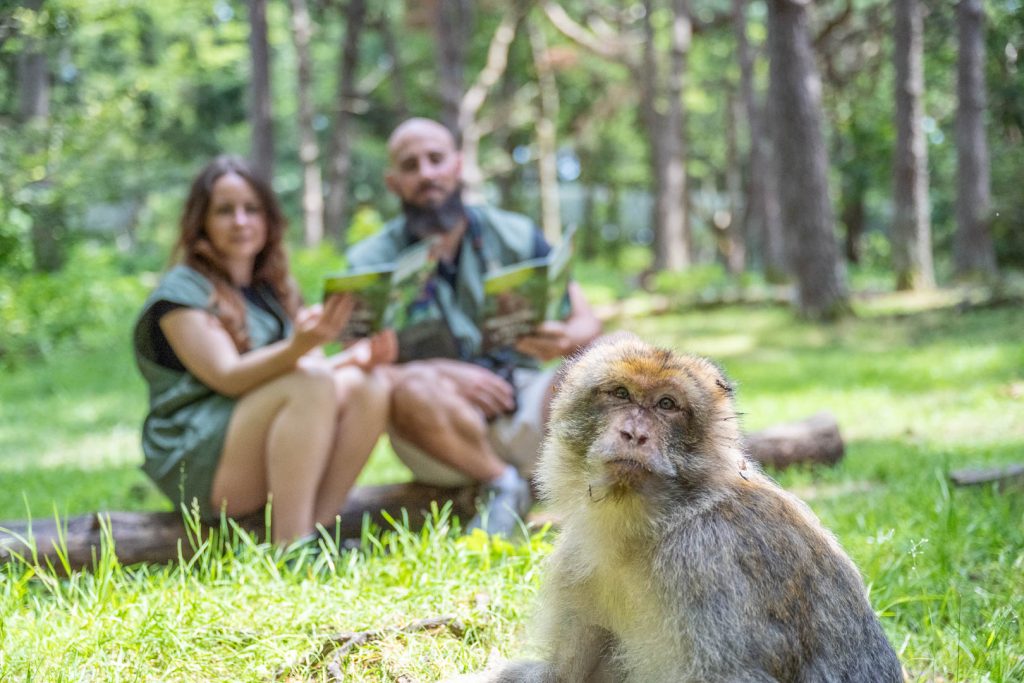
[678, 561]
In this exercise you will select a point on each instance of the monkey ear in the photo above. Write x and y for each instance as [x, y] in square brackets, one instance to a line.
[725, 385]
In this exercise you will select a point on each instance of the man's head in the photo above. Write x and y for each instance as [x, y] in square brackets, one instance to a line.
[425, 173]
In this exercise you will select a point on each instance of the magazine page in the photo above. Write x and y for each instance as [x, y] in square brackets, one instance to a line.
[515, 301]
[559, 270]
[371, 290]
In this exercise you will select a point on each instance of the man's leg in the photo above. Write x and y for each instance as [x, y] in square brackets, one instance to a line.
[445, 440]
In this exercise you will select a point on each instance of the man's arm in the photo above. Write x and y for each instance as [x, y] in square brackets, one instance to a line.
[559, 338]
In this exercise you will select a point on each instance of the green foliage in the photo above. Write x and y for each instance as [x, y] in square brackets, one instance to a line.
[41, 313]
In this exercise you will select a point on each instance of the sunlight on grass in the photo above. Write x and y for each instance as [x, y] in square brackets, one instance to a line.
[918, 391]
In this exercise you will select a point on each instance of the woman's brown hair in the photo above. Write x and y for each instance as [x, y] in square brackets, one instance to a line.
[195, 250]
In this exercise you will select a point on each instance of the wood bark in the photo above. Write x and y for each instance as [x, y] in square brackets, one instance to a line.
[730, 236]
[762, 221]
[973, 249]
[474, 98]
[911, 229]
[453, 28]
[340, 161]
[309, 148]
[162, 536]
[48, 231]
[260, 107]
[547, 144]
[796, 118]
[662, 107]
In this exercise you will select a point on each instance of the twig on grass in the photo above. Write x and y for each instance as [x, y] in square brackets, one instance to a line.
[340, 644]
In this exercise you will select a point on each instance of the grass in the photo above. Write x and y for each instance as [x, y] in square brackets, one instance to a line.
[918, 390]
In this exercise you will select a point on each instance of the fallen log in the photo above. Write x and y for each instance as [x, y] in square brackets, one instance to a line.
[1006, 477]
[814, 440]
[161, 536]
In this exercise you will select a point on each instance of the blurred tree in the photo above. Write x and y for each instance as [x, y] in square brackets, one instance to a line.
[547, 141]
[762, 226]
[309, 147]
[911, 229]
[453, 26]
[796, 119]
[260, 103]
[339, 159]
[41, 198]
[973, 251]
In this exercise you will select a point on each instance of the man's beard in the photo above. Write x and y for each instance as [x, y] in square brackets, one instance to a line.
[423, 221]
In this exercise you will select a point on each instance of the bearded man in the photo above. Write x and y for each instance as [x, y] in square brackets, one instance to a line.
[459, 415]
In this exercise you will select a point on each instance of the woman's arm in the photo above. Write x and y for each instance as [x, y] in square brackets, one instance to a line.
[207, 351]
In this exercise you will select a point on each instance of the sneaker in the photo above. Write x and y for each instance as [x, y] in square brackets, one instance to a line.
[502, 504]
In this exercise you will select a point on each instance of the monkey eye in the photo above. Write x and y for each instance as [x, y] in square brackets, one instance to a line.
[621, 392]
[667, 403]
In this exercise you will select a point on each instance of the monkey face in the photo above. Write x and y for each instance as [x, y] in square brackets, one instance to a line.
[632, 419]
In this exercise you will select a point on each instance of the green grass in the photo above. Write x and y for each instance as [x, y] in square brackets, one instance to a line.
[918, 391]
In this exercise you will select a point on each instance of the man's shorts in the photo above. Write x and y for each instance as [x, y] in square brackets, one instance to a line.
[516, 438]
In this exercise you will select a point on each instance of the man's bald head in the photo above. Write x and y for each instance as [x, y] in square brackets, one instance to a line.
[418, 128]
[425, 166]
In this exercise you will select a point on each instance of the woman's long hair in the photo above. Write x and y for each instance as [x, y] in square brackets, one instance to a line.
[195, 250]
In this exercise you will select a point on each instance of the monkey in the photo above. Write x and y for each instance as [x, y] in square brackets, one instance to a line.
[678, 560]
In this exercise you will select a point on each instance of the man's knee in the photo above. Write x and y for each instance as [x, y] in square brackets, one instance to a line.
[426, 400]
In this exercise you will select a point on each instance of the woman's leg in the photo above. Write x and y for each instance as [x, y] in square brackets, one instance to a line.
[277, 445]
[362, 399]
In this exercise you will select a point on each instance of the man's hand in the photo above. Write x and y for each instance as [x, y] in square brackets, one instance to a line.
[491, 394]
[556, 338]
[550, 340]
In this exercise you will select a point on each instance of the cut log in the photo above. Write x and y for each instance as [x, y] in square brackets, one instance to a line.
[814, 441]
[1009, 476]
[162, 536]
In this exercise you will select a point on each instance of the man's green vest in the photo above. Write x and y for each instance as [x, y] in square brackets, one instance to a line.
[505, 238]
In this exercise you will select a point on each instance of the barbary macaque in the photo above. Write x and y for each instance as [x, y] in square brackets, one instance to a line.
[678, 561]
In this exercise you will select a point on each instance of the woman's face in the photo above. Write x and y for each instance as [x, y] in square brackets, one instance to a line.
[236, 222]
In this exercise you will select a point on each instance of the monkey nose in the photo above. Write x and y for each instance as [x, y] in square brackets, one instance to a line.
[633, 437]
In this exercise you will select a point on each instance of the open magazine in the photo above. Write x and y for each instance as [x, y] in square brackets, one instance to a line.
[386, 296]
[519, 297]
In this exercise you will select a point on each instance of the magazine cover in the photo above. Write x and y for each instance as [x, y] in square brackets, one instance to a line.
[515, 301]
[372, 292]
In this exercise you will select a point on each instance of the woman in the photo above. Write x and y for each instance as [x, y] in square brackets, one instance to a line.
[244, 406]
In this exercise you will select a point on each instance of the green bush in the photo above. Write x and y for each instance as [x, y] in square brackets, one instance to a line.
[41, 313]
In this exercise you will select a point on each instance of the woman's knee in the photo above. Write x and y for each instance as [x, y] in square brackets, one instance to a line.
[311, 386]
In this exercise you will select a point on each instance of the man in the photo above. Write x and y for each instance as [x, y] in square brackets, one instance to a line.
[459, 415]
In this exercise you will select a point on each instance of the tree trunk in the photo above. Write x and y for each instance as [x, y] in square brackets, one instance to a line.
[44, 204]
[309, 148]
[453, 27]
[340, 161]
[911, 230]
[762, 220]
[795, 99]
[547, 145]
[973, 250]
[734, 248]
[260, 114]
[853, 213]
[665, 132]
[474, 98]
[387, 36]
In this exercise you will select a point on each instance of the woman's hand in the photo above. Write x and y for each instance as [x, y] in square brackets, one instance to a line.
[322, 323]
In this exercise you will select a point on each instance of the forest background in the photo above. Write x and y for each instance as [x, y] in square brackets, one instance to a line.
[824, 195]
